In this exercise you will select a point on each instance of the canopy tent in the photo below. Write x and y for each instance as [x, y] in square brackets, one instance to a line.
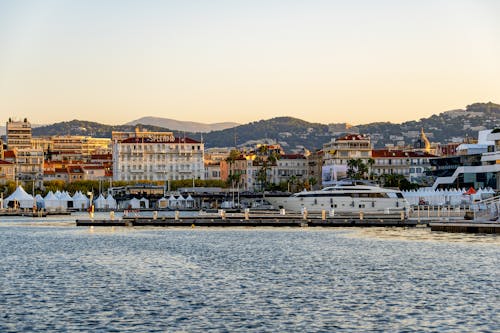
[471, 191]
[40, 203]
[144, 203]
[110, 202]
[189, 202]
[162, 203]
[51, 201]
[19, 199]
[172, 201]
[80, 201]
[134, 203]
[100, 202]
[66, 200]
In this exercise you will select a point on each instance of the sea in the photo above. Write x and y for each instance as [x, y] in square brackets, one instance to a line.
[57, 277]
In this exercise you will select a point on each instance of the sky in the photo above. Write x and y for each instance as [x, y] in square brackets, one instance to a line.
[355, 61]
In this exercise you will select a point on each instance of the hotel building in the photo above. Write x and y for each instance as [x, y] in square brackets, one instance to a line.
[156, 156]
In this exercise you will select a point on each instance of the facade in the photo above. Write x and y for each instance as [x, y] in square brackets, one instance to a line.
[477, 165]
[18, 134]
[350, 146]
[28, 159]
[413, 165]
[75, 148]
[7, 171]
[315, 165]
[156, 156]
[290, 168]
[339, 151]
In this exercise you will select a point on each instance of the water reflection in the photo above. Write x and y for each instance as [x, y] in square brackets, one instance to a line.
[163, 279]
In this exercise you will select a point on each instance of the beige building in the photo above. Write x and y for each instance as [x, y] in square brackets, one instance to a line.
[18, 134]
[156, 156]
[72, 147]
[347, 147]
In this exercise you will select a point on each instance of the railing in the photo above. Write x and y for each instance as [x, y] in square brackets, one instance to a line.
[488, 209]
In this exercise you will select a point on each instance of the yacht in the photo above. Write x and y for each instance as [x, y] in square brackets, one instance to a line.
[345, 197]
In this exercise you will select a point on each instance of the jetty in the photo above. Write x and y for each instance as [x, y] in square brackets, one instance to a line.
[481, 227]
[254, 220]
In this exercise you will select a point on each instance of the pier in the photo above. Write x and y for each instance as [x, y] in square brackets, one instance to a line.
[263, 220]
[482, 227]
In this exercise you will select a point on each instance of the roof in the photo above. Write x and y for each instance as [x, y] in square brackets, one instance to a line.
[9, 154]
[386, 153]
[5, 162]
[293, 157]
[149, 140]
[93, 167]
[75, 169]
[354, 137]
[101, 156]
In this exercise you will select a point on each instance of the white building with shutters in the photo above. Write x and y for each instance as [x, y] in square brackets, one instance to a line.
[156, 156]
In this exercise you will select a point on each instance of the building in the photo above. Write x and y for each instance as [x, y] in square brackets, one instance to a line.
[476, 165]
[413, 165]
[18, 134]
[156, 156]
[347, 147]
[7, 171]
[28, 159]
[291, 168]
[339, 151]
[74, 147]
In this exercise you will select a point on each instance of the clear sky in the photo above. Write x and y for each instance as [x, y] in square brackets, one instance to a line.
[354, 61]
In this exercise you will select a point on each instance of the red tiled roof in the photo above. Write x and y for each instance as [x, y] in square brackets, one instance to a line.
[354, 137]
[75, 169]
[9, 154]
[149, 140]
[5, 162]
[101, 156]
[93, 167]
[293, 157]
[386, 153]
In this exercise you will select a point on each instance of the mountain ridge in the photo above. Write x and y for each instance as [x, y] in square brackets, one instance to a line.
[179, 125]
[296, 134]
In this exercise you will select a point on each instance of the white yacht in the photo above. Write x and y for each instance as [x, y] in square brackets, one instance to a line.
[345, 197]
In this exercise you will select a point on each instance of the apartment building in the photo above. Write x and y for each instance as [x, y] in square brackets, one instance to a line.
[156, 156]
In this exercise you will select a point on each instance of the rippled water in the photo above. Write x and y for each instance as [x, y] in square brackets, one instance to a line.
[58, 277]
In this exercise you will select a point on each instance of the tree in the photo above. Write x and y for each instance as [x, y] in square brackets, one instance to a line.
[356, 169]
[397, 180]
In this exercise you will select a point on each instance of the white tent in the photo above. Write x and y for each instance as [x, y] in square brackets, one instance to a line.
[189, 202]
[144, 203]
[66, 200]
[134, 203]
[51, 201]
[80, 201]
[40, 203]
[172, 201]
[110, 202]
[23, 199]
[162, 203]
[181, 202]
[100, 202]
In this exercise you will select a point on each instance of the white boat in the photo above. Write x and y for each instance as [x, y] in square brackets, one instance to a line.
[345, 197]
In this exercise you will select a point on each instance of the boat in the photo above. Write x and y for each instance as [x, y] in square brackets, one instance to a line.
[345, 197]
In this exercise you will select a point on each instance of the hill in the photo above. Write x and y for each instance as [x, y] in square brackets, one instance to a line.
[295, 134]
[188, 126]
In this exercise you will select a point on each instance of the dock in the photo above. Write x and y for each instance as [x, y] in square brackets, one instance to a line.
[255, 221]
[481, 227]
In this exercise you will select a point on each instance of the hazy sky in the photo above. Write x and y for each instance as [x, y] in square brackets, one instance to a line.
[211, 61]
